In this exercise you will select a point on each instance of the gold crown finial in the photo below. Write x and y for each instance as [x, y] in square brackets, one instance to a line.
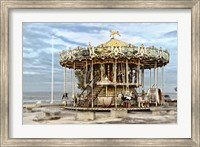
[113, 33]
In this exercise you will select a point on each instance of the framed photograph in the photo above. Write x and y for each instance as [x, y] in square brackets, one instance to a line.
[97, 73]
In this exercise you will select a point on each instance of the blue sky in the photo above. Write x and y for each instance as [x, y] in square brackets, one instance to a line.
[37, 48]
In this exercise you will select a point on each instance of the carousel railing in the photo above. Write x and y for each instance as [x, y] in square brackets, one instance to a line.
[93, 81]
[87, 77]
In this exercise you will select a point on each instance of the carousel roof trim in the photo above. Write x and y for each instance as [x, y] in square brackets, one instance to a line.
[115, 49]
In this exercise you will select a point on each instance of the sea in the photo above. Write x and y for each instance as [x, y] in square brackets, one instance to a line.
[45, 97]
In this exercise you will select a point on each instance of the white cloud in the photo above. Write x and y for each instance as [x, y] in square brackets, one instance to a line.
[83, 37]
[30, 54]
[30, 65]
[31, 73]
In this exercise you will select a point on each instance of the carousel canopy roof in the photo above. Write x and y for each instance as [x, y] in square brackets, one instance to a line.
[114, 49]
[114, 42]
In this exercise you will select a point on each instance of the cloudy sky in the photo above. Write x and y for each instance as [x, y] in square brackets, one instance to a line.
[37, 48]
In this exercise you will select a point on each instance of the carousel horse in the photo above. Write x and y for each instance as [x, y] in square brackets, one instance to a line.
[122, 98]
[143, 102]
[125, 97]
[64, 96]
[64, 102]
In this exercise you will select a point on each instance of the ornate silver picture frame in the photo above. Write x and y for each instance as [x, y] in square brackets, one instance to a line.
[7, 5]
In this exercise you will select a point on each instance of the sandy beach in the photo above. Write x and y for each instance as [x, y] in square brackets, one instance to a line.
[36, 115]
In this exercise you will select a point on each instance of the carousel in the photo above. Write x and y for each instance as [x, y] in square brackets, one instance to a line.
[111, 75]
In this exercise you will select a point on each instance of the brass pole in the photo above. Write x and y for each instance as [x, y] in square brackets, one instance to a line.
[86, 69]
[74, 84]
[101, 72]
[92, 84]
[65, 80]
[155, 82]
[163, 68]
[143, 78]
[138, 73]
[122, 75]
[150, 78]
[127, 75]
[115, 81]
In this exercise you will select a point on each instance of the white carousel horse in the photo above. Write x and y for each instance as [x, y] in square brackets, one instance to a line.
[64, 102]
[143, 102]
[119, 96]
[146, 100]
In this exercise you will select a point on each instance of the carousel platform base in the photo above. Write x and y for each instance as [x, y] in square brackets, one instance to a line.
[88, 114]
[118, 113]
[162, 111]
[106, 109]
[85, 115]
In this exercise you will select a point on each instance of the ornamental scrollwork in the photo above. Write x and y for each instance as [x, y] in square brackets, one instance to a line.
[116, 52]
